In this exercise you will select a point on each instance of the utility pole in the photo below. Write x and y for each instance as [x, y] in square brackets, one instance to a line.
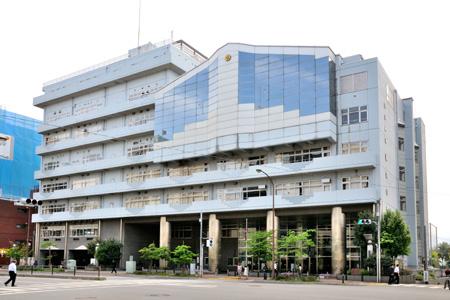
[379, 242]
[246, 232]
[201, 245]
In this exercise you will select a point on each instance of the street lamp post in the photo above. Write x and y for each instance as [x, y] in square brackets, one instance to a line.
[273, 219]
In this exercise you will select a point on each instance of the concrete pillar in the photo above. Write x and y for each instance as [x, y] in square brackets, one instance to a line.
[66, 241]
[337, 240]
[164, 237]
[37, 241]
[270, 228]
[214, 235]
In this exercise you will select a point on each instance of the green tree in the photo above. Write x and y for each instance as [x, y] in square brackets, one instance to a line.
[395, 235]
[435, 259]
[443, 250]
[182, 255]
[91, 247]
[150, 253]
[295, 244]
[17, 252]
[109, 252]
[165, 254]
[48, 245]
[259, 246]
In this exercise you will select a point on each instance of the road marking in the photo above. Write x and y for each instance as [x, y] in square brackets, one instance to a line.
[74, 285]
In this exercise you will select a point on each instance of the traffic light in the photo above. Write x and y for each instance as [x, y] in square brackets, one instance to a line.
[364, 221]
[28, 201]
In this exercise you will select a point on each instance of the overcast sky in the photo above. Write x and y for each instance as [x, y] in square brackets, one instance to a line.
[42, 40]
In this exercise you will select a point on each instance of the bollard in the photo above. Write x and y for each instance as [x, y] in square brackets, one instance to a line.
[52, 269]
[31, 269]
[98, 269]
[74, 270]
[343, 278]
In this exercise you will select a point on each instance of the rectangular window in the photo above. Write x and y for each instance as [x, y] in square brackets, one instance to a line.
[84, 206]
[88, 230]
[54, 185]
[401, 173]
[401, 144]
[53, 208]
[354, 115]
[187, 197]
[53, 231]
[182, 232]
[353, 82]
[141, 173]
[141, 199]
[302, 188]
[354, 147]
[303, 155]
[402, 203]
[254, 191]
[256, 160]
[355, 182]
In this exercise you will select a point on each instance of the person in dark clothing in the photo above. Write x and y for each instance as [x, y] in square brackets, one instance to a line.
[114, 267]
[391, 274]
[12, 270]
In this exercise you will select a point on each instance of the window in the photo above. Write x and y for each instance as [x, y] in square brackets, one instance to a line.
[354, 115]
[141, 200]
[302, 188]
[53, 208]
[51, 165]
[88, 230]
[83, 206]
[402, 203]
[141, 173]
[355, 182]
[353, 82]
[187, 197]
[256, 160]
[53, 231]
[188, 170]
[57, 136]
[303, 155]
[354, 147]
[401, 144]
[54, 185]
[86, 181]
[254, 191]
[140, 147]
[229, 164]
[401, 173]
[182, 232]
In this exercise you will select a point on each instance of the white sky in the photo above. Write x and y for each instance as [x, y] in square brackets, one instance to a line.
[42, 40]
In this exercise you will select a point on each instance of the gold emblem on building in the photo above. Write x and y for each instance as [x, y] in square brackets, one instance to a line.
[227, 57]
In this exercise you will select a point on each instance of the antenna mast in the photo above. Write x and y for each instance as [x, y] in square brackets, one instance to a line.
[139, 24]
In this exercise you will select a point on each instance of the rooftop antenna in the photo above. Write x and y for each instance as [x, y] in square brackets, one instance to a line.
[139, 24]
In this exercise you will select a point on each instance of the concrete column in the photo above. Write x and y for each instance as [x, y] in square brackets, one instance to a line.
[214, 235]
[37, 241]
[337, 240]
[66, 241]
[164, 237]
[276, 230]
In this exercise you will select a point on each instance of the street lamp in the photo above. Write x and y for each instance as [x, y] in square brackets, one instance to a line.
[273, 219]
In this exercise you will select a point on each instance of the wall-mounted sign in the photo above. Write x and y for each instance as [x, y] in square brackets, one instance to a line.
[6, 146]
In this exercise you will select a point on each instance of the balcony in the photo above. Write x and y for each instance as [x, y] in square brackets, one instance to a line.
[107, 111]
[324, 164]
[96, 138]
[331, 198]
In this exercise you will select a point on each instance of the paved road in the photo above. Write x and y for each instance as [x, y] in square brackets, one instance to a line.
[142, 288]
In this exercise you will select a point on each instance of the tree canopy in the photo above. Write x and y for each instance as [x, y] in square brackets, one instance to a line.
[109, 252]
[18, 251]
[395, 235]
[259, 245]
[361, 230]
[182, 255]
[295, 244]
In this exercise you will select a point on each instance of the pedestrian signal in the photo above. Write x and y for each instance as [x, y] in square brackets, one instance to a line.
[364, 221]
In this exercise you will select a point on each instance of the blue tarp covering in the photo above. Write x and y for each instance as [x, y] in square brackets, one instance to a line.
[17, 174]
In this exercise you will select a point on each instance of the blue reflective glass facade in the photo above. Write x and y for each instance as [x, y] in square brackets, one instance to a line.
[17, 175]
[186, 103]
[300, 82]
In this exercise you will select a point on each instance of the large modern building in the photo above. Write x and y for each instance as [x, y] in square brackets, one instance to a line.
[18, 162]
[136, 149]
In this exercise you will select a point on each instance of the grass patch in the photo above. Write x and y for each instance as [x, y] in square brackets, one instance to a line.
[297, 278]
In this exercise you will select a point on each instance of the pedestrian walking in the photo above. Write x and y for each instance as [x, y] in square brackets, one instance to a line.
[12, 270]
[391, 274]
[275, 268]
[264, 269]
[239, 270]
[246, 272]
[397, 274]
[114, 267]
